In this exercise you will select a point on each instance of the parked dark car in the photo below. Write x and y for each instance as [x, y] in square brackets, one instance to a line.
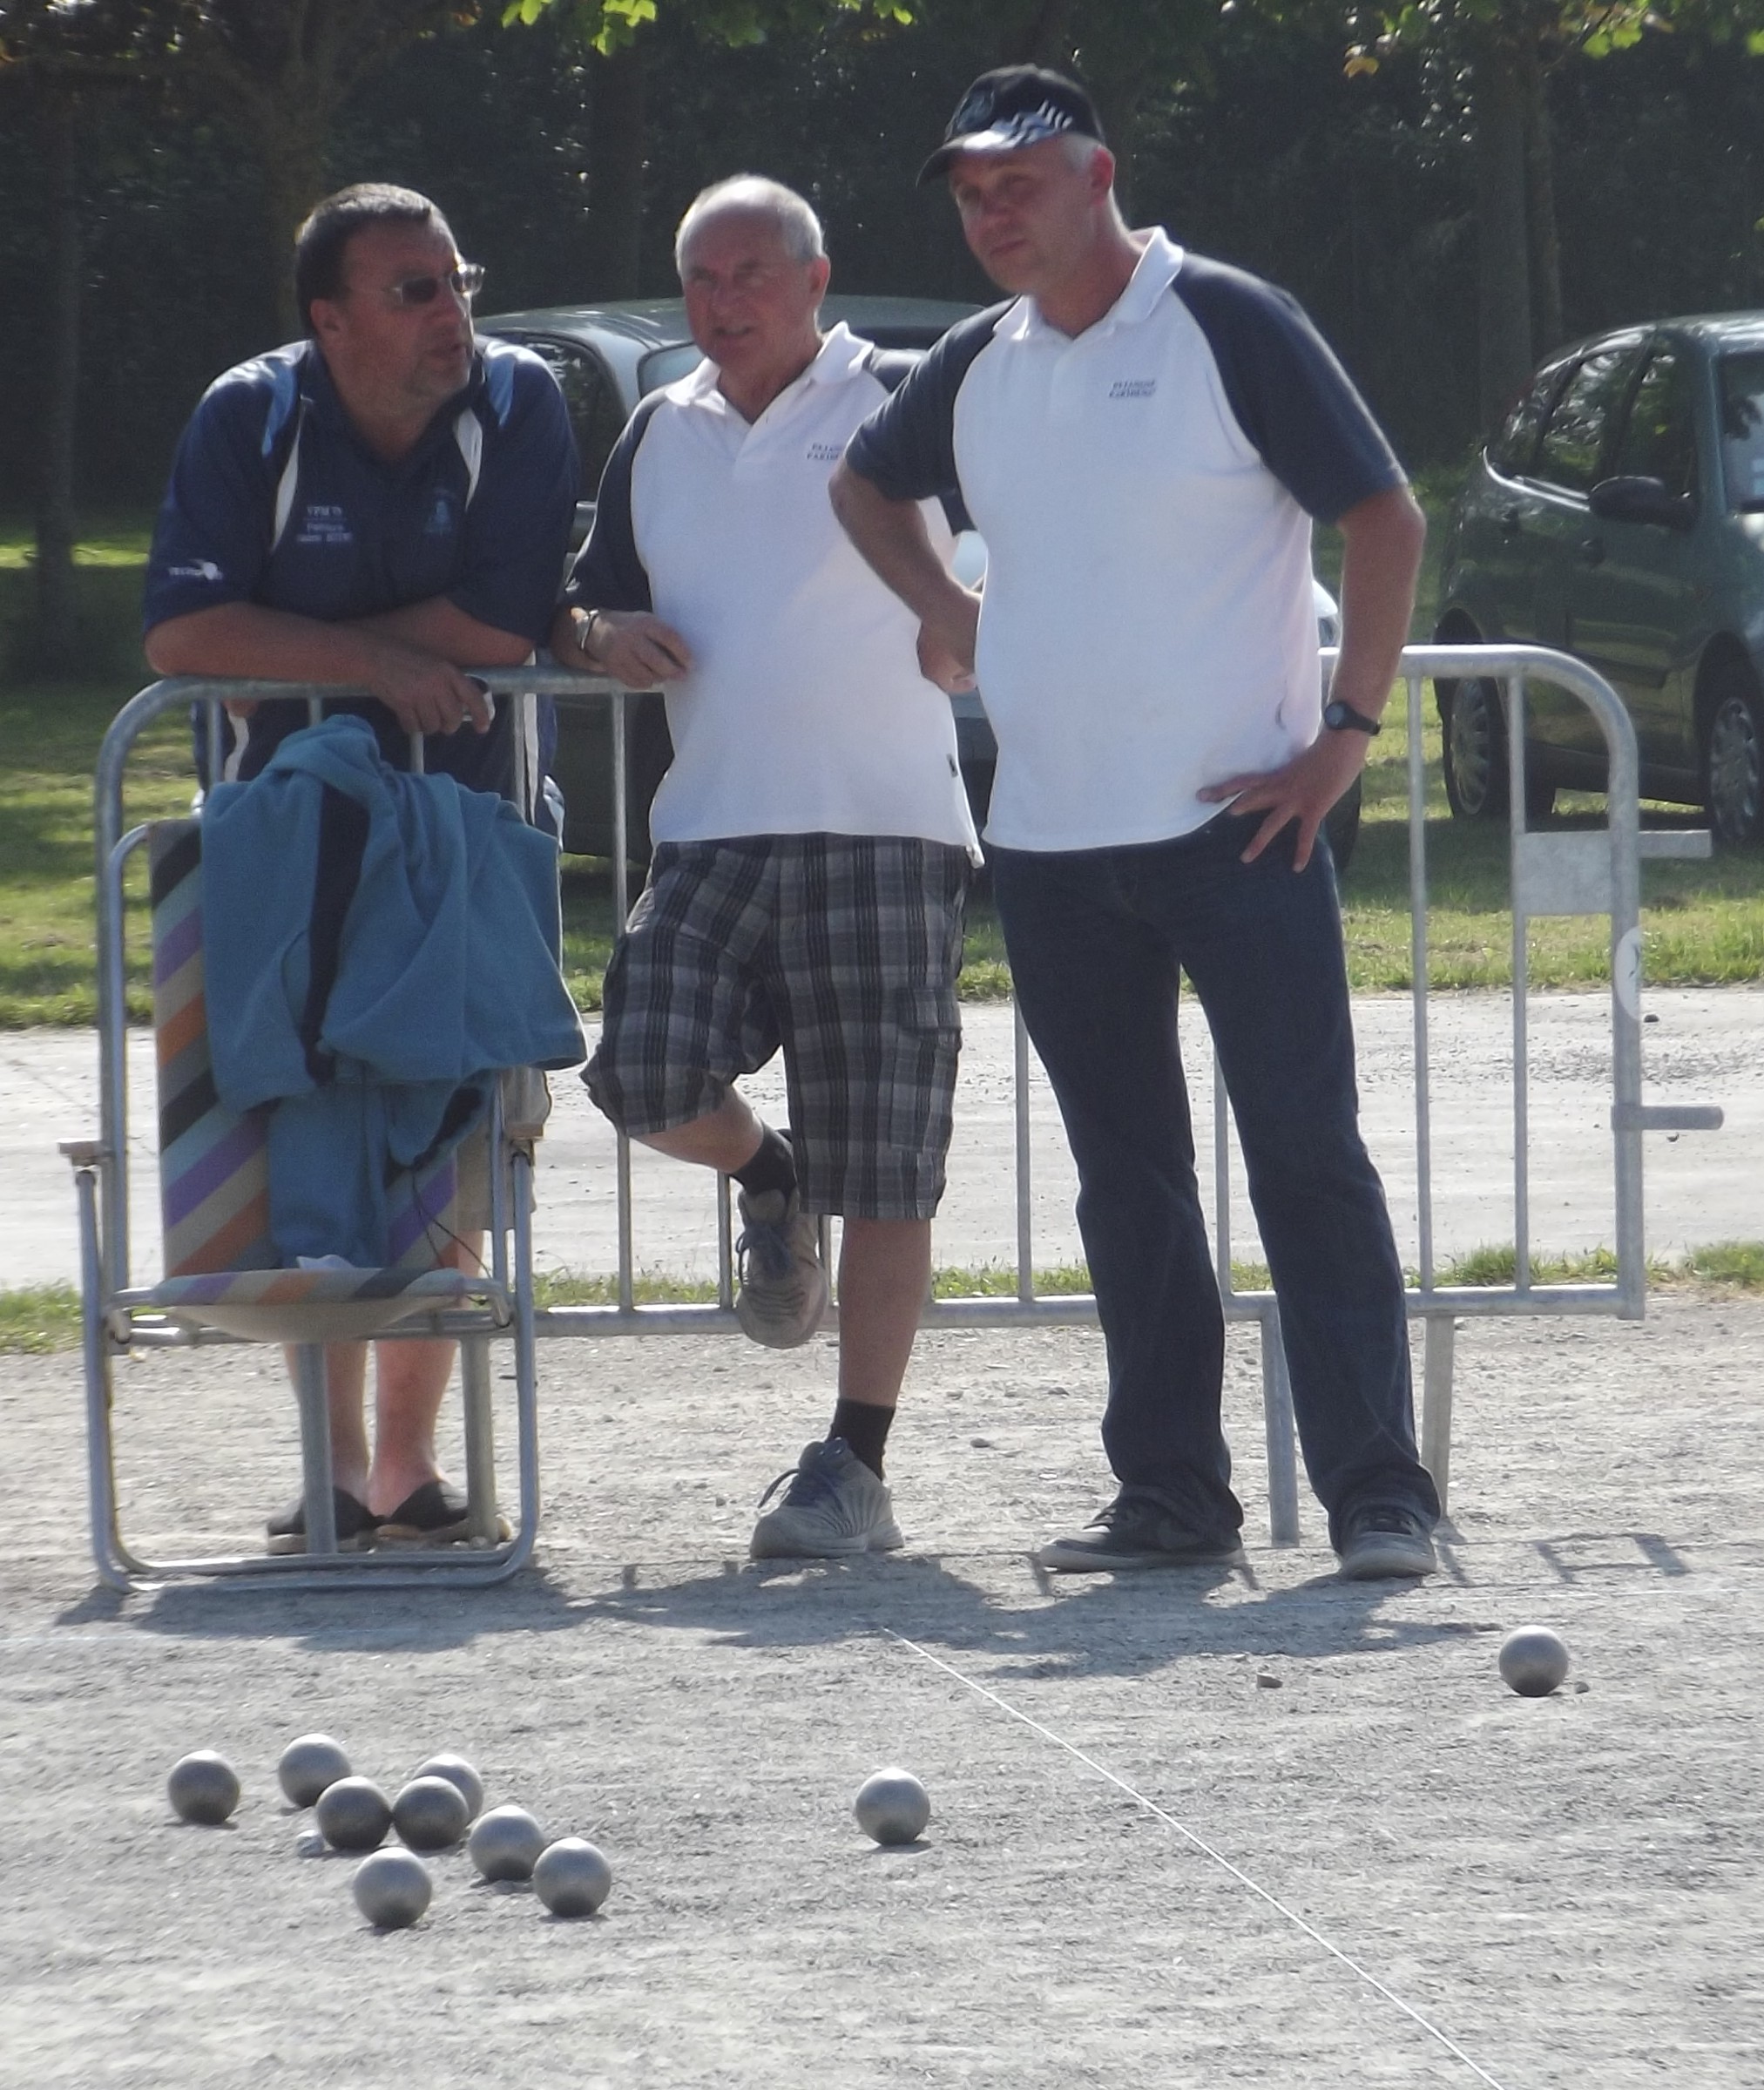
[1618, 516]
[607, 358]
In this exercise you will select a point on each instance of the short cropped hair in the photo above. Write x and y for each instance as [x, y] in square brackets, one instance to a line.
[759, 195]
[320, 243]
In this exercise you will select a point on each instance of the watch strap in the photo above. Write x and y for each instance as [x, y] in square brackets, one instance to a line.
[1339, 716]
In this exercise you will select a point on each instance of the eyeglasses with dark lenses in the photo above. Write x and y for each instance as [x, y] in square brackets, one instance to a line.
[465, 281]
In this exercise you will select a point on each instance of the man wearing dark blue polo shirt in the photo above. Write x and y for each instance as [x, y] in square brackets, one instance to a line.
[1143, 438]
[386, 503]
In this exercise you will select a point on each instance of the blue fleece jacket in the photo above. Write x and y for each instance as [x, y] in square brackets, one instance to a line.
[376, 945]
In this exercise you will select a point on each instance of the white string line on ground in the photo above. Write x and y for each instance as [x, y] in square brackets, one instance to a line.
[1204, 1847]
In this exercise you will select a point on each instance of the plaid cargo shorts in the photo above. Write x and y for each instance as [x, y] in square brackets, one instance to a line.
[842, 949]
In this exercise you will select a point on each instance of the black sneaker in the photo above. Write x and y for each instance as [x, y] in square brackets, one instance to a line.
[1134, 1531]
[1377, 1542]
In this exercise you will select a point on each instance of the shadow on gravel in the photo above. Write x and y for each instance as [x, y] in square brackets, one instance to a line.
[1104, 1626]
[422, 1621]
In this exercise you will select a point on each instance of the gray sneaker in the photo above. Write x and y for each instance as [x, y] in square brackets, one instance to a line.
[834, 1505]
[1378, 1542]
[783, 1289]
[1137, 1531]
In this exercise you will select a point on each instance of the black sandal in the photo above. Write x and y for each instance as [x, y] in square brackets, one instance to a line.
[357, 1525]
[437, 1513]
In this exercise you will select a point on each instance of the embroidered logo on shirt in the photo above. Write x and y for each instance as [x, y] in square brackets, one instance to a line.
[440, 523]
[826, 453]
[1133, 387]
[326, 525]
[199, 569]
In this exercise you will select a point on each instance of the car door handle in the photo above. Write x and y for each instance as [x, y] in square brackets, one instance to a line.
[1591, 549]
[1508, 522]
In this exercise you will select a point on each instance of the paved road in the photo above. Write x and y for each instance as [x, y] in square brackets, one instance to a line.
[1701, 1046]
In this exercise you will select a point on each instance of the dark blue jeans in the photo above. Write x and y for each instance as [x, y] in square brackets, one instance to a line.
[1097, 940]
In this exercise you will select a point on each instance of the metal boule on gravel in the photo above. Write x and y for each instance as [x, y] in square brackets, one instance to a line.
[1533, 1660]
[429, 1814]
[353, 1814]
[457, 1772]
[892, 1807]
[392, 1888]
[505, 1844]
[202, 1787]
[308, 1764]
[571, 1877]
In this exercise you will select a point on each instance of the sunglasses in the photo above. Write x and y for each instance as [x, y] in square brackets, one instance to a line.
[465, 281]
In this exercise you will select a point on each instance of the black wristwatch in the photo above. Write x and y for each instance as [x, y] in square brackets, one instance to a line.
[1338, 717]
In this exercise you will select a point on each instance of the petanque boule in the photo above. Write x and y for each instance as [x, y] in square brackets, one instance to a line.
[571, 1877]
[429, 1814]
[308, 1764]
[505, 1844]
[353, 1814]
[457, 1772]
[892, 1807]
[202, 1787]
[1533, 1660]
[392, 1888]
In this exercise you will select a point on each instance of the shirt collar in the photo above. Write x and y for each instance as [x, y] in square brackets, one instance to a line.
[840, 356]
[322, 400]
[1157, 268]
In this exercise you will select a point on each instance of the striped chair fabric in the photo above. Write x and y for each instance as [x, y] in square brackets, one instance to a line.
[213, 1161]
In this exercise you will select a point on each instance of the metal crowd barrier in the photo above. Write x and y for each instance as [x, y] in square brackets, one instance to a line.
[1552, 873]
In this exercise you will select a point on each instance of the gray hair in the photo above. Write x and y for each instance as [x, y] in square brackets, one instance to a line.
[756, 195]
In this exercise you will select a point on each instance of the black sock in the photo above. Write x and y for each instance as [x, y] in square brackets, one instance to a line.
[865, 1427]
[772, 1167]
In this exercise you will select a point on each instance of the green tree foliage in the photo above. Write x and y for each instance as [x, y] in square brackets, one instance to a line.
[1500, 55]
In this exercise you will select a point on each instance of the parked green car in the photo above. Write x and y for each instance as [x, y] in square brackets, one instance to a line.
[1618, 516]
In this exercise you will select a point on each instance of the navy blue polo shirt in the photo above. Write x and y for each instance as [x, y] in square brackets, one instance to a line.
[275, 500]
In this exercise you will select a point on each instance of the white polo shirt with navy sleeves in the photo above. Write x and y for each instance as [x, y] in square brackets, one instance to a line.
[805, 711]
[1146, 490]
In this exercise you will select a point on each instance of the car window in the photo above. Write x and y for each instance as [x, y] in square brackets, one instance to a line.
[1658, 440]
[1513, 449]
[1743, 429]
[1574, 438]
[590, 396]
[664, 365]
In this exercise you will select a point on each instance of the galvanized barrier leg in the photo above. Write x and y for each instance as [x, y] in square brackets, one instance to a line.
[1277, 1412]
[101, 1480]
[480, 1438]
[1436, 1401]
[312, 1390]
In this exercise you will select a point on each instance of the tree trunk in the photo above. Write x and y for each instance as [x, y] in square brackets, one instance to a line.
[1497, 113]
[288, 134]
[58, 621]
[617, 138]
[1548, 329]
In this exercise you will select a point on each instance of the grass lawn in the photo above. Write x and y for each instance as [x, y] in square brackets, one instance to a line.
[1704, 923]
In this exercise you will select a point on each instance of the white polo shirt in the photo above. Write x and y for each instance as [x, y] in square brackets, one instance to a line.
[805, 711]
[1146, 491]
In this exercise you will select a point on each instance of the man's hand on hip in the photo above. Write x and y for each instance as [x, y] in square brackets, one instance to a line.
[1303, 790]
[946, 642]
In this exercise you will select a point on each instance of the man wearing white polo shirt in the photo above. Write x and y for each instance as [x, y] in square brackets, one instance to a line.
[813, 841]
[1143, 438]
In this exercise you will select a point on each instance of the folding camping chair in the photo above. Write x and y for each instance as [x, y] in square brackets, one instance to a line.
[220, 1283]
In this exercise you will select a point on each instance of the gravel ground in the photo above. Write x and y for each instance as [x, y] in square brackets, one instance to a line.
[1558, 1891]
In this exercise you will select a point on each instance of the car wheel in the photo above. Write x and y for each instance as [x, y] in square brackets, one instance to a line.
[1341, 825]
[1473, 734]
[1734, 760]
